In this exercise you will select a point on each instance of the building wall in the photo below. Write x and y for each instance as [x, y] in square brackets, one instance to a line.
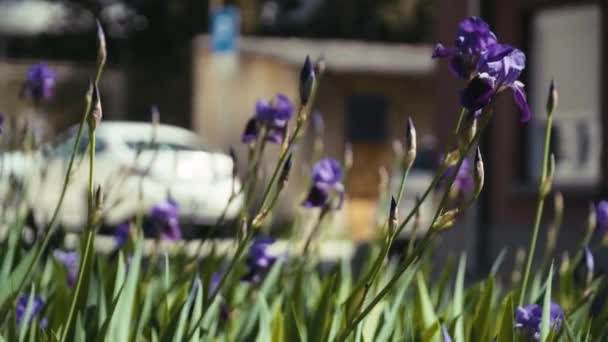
[225, 89]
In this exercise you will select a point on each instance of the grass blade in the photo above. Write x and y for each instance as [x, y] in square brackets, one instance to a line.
[545, 321]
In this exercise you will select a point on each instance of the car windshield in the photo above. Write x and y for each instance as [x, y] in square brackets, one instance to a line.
[161, 145]
[63, 145]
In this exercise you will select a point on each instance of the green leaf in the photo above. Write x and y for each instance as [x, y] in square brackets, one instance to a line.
[481, 322]
[11, 249]
[371, 321]
[444, 278]
[79, 332]
[388, 327]
[106, 323]
[458, 305]
[278, 331]
[545, 321]
[197, 310]
[264, 326]
[335, 324]
[146, 311]
[507, 325]
[428, 318]
[211, 316]
[321, 322]
[121, 322]
[17, 276]
[183, 317]
[346, 279]
[271, 279]
[102, 311]
[569, 332]
[498, 261]
[300, 326]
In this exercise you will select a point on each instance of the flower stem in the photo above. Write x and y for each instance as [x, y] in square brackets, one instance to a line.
[314, 231]
[459, 123]
[421, 247]
[237, 255]
[540, 204]
[89, 248]
[406, 172]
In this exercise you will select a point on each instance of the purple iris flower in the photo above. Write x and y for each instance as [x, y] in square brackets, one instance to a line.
[478, 93]
[273, 116]
[121, 234]
[165, 217]
[259, 261]
[326, 178]
[498, 69]
[528, 318]
[39, 83]
[445, 334]
[589, 261]
[473, 39]
[464, 181]
[1, 122]
[214, 282]
[491, 67]
[307, 78]
[69, 259]
[37, 306]
[602, 215]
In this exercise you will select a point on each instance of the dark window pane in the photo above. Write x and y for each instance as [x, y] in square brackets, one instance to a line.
[366, 118]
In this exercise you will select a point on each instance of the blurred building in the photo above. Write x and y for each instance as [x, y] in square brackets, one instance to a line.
[370, 89]
[365, 96]
[565, 41]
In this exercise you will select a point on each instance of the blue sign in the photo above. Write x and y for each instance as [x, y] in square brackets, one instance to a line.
[225, 27]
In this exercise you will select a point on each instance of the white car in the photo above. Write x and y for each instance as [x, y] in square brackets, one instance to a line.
[138, 165]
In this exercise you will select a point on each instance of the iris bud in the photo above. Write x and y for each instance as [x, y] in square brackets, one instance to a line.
[307, 79]
[552, 99]
[410, 143]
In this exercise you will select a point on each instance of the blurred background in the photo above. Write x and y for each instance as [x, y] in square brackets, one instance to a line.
[204, 63]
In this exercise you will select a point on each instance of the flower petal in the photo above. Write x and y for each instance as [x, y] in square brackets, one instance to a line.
[327, 171]
[446, 334]
[478, 93]
[589, 262]
[317, 197]
[441, 51]
[460, 66]
[283, 108]
[602, 215]
[519, 96]
[251, 131]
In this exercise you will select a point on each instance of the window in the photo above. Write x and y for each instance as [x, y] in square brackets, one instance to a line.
[366, 120]
[62, 147]
[159, 145]
[566, 43]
